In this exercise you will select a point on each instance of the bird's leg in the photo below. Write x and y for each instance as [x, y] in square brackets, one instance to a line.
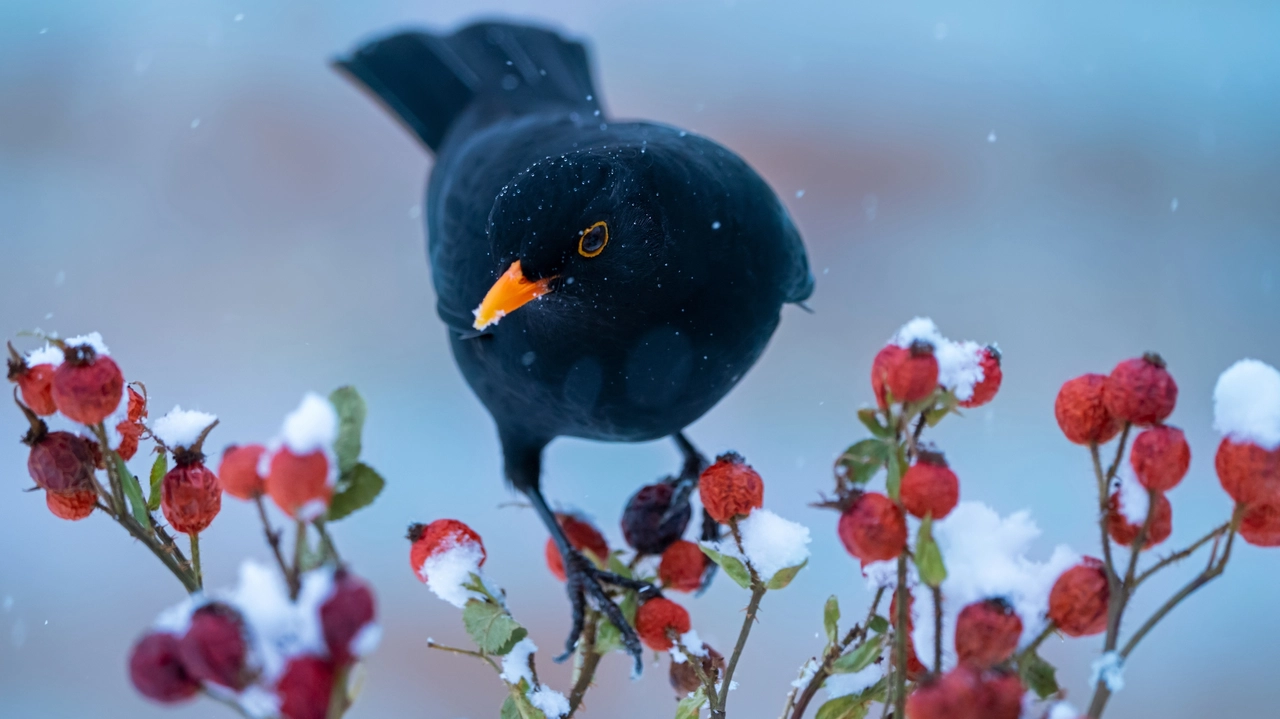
[694, 464]
[585, 582]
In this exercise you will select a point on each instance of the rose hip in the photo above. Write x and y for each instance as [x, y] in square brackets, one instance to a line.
[1248, 472]
[1081, 413]
[582, 536]
[872, 528]
[87, 386]
[299, 484]
[345, 615]
[1141, 391]
[190, 497]
[156, 670]
[72, 506]
[730, 488]
[682, 567]
[992, 375]
[1078, 600]
[305, 688]
[684, 678]
[60, 462]
[658, 616]
[987, 632]
[214, 649]
[1260, 525]
[1160, 457]
[1125, 533]
[929, 487]
[35, 383]
[238, 472]
[438, 537]
[909, 374]
[642, 525]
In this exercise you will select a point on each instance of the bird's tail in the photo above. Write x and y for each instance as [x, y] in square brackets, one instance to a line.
[484, 71]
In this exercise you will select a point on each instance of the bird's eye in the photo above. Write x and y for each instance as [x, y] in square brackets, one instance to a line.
[593, 240]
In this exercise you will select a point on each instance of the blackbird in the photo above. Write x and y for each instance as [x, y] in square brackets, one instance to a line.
[599, 279]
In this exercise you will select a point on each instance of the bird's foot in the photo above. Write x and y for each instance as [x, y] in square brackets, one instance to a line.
[684, 485]
[586, 582]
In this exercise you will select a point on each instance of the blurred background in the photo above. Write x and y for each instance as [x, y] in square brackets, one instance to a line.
[1080, 182]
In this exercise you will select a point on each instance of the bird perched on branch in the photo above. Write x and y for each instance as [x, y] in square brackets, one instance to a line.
[599, 279]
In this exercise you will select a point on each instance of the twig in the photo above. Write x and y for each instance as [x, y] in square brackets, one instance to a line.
[273, 538]
[900, 641]
[858, 632]
[1183, 554]
[590, 659]
[1103, 497]
[1044, 634]
[295, 573]
[195, 558]
[339, 702]
[432, 644]
[757, 593]
[937, 629]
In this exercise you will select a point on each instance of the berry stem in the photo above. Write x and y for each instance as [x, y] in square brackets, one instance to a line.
[900, 641]
[937, 629]
[273, 537]
[330, 549]
[585, 663]
[757, 593]
[1215, 533]
[858, 632]
[1107, 559]
[299, 546]
[195, 559]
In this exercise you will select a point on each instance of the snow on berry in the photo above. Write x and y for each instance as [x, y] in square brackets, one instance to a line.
[730, 488]
[445, 554]
[769, 543]
[642, 525]
[962, 366]
[92, 340]
[156, 669]
[190, 497]
[312, 427]
[301, 484]
[50, 354]
[182, 427]
[59, 462]
[582, 536]
[987, 632]
[992, 376]
[872, 528]
[1260, 525]
[929, 486]
[1134, 500]
[1141, 391]
[280, 628]
[1160, 457]
[1246, 404]
[656, 618]
[88, 385]
[1082, 416]
[238, 472]
[215, 647]
[305, 688]
[1078, 601]
[1248, 472]
[1122, 527]
[347, 619]
[72, 506]
[682, 566]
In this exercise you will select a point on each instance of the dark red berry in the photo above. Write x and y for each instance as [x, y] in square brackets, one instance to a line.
[305, 688]
[992, 375]
[1248, 473]
[1081, 413]
[1125, 533]
[87, 386]
[1079, 598]
[730, 488]
[1141, 391]
[214, 648]
[658, 617]
[345, 615]
[684, 678]
[929, 487]
[582, 536]
[156, 670]
[642, 525]
[1160, 457]
[238, 472]
[682, 567]
[987, 632]
[873, 529]
[60, 462]
[190, 497]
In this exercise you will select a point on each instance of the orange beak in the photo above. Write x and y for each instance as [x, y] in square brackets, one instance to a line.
[511, 292]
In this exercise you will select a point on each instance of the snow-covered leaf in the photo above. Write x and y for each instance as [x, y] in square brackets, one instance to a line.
[491, 627]
[351, 410]
[860, 658]
[356, 490]
[846, 707]
[732, 566]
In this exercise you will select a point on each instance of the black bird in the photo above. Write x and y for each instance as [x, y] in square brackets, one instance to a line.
[605, 280]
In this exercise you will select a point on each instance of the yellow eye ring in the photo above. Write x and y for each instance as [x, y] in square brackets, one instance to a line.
[592, 240]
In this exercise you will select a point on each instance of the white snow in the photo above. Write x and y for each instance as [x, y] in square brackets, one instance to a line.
[807, 671]
[1109, 668]
[93, 339]
[769, 542]
[48, 354]
[366, 640]
[1135, 502]
[448, 570]
[1063, 710]
[258, 702]
[1246, 404]
[551, 702]
[280, 629]
[181, 427]
[312, 426]
[691, 642]
[881, 575]
[841, 685]
[177, 619]
[515, 664]
[959, 363]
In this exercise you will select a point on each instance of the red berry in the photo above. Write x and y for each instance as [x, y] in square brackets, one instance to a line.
[1078, 600]
[958, 694]
[886, 359]
[1248, 472]
[1141, 391]
[1260, 525]
[642, 525]
[915, 668]
[299, 484]
[36, 385]
[682, 567]
[214, 648]
[238, 472]
[1160, 457]
[73, 506]
[909, 374]
[684, 678]
[347, 613]
[873, 529]
[157, 672]
[438, 537]
[305, 688]
[87, 386]
[656, 617]
[987, 633]
[730, 488]
[60, 462]
[190, 497]
[1002, 695]
[929, 487]
[583, 537]
[992, 375]
[1125, 533]
[1080, 411]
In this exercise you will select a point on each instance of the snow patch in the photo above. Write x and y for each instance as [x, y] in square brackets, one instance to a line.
[280, 629]
[313, 426]
[48, 354]
[258, 702]
[515, 663]
[177, 619]
[1246, 404]
[366, 641]
[1063, 710]
[881, 575]
[769, 542]
[448, 570]
[842, 685]
[959, 363]
[1135, 502]
[1109, 669]
[551, 702]
[807, 673]
[93, 339]
[181, 427]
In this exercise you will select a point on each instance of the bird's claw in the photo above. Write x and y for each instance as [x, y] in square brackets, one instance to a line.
[583, 580]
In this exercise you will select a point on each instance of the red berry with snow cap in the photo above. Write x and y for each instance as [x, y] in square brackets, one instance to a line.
[642, 525]
[1125, 533]
[156, 670]
[1081, 413]
[305, 688]
[238, 472]
[190, 497]
[1248, 473]
[682, 567]
[656, 618]
[299, 484]
[908, 374]
[872, 528]
[440, 536]
[347, 617]
[1141, 391]
[1079, 598]
[1260, 525]
[215, 649]
[987, 632]
[992, 375]
[730, 488]
[35, 383]
[87, 386]
[1160, 457]
[929, 486]
[582, 536]
[72, 506]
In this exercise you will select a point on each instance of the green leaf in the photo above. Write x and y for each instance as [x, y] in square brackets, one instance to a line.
[617, 566]
[1038, 674]
[520, 709]
[491, 628]
[351, 410]
[732, 566]
[878, 624]
[862, 461]
[928, 557]
[509, 710]
[945, 405]
[690, 706]
[783, 577]
[158, 470]
[871, 418]
[133, 491]
[356, 490]
[851, 706]
[860, 658]
[831, 619]
[897, 465]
